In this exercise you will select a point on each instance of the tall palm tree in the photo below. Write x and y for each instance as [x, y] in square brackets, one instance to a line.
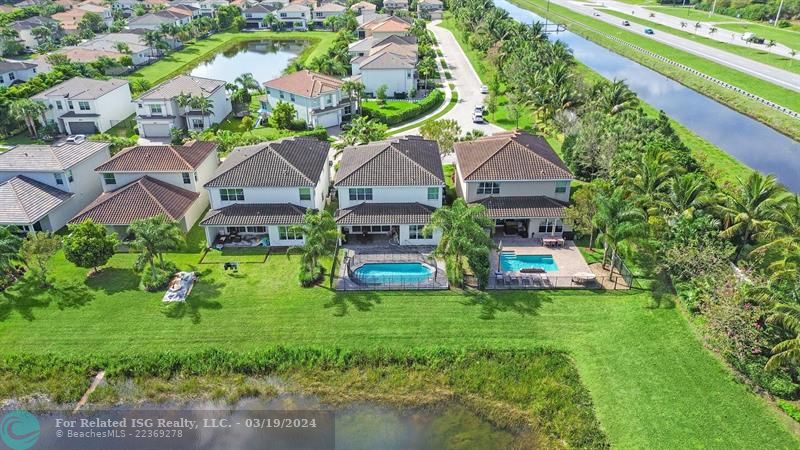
[269, 20]
[28, 111]
[153, 39]
[154, 236]
[205, 106]
[784, 237]
[786, 352]
[355, 91]
[319, 237]
[248, 81]
[649, 180]
[750, 209]
[618, 220]
[687, 193]
[617, 97]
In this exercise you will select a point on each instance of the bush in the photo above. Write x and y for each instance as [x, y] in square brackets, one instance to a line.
[479, 263]
[429, 103]
[790, 409]
[163, 275]
[298, 125]
[308, 279]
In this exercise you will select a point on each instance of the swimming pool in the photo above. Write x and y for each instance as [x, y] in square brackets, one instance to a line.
[511, 262]
[393, 273]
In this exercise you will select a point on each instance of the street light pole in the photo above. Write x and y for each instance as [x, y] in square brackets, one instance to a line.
[713, 7]
[778, 16]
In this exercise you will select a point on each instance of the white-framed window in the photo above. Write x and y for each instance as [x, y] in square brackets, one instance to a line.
[155, 109]
[83, 106]
[69, 176]
[257, 229]
[291, 97]
[70, 105]
[305, 193]
[231, 195]
[561, 186]
[187, 178]
[11, 76]
[197, 123]
[416, 232]
[433, 193]
[360, 193]
[488, 188]
[109, 178]
[59, 178]
[59, 105]
[287, 233]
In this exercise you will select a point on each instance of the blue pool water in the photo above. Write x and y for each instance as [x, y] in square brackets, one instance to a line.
[509, 262]
[393, 273]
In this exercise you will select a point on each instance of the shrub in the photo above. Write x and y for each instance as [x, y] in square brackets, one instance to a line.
[298, 125]
[247, 122]
[429, 103]
[479, 263]
[163, 275]
[790, 409]
[308, 279]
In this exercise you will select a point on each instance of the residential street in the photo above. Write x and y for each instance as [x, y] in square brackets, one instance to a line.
[766, 72]
[466, 82]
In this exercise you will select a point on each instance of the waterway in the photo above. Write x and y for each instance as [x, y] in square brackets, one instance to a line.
[746, 139]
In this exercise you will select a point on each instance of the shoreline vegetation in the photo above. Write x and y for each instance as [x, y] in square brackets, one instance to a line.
[764, 114]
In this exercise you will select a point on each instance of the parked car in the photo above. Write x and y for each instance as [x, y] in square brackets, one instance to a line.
[478, 109]
[625, 23]
[477, 117]
[649, 31]
[484, 89]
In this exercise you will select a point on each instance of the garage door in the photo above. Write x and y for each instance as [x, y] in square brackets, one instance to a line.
[82, 128]
[328, 120]
[156, 130]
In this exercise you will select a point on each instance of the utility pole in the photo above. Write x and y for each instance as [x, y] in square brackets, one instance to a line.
[713, 7]
[778, 16]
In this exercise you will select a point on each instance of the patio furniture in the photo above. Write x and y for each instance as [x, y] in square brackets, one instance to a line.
[513, 277]
[234, 266]
[180, 287]
[584, 278]
[498, 277]
[525, 279]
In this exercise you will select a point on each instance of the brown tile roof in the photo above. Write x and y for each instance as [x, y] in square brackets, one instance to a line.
[289, 162]
[391, 24]
[306, 83]
[407, 161]
[330, 7]
[25, 201]
[160, 158]
[48, 158]
[255, 214]
[185, 84]
[518, 207]
[385, 214]
[509, 156]
[143, 198]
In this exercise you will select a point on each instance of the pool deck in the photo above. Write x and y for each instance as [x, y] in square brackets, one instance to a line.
[358, 255]
[568, 259]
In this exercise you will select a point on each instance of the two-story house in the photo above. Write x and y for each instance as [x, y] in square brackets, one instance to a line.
[430, 9]
[382, 26]
[390, 189]
[148, 180]
[322, 12]
[294, 16]
[158, 111]
[139, 52]
[260, 192]
[392, 6]
[12, 72]
[153, 21]
[393, 65]
[520, 180]
[24, 29]
[254, 15]
[318, 99]
[43, 186]
[363, 7]
[365, 46]
[85, 105]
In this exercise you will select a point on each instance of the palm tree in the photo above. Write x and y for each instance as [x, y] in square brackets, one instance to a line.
[153, 39]
[463, 229]
[786, 352]
[10, 244]
[269, 20]
[426, 69]
[784, 237]
[152, 237]
[122, 47]
[618, 220]
[750, 209]
[248, 81]
[28, 111]
[355, 91]
[687, 193]
[184, 101]
[319, 238]
[617, 97]
[204, 105]
[649, 179]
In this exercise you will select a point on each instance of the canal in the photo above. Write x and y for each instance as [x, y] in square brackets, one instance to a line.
[746, 139]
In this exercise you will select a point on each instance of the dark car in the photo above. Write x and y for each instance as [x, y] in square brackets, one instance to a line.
[625, 23]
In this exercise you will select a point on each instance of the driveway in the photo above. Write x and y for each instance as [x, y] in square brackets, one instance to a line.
[466, 83]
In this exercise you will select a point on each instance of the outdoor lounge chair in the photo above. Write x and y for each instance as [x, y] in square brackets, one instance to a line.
[498, 277]
[513, 277]
[525, 279]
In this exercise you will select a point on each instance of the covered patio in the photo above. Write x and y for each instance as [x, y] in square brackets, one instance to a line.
[386, 223]
[536, 217]
[253, 225]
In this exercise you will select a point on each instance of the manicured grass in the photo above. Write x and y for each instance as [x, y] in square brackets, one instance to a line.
[236, 254]
[690, 13]
[785, 36]
[390, 107]
[773, 118]
[182, 60]
[18, 139]
[653, 384]
[753, 52]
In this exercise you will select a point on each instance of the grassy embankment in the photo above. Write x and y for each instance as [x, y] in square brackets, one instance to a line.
[769, 116]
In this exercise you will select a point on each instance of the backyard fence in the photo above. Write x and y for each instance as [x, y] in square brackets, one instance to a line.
[349, 278]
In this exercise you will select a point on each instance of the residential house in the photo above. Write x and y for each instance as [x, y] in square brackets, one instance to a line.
[152, 21]
[261, 191]
[327, 10]
[365, 46]
[430, 9]
[392, 6]
[383, 26]
[158, 111]
[520, 180]
[43, 186]
[98, 8]
[318, 99]
[85, 106]
[254, 15]
[139, 52]
[24, 27]
[148, 180]
[391, 64]
[71, 18]
[363, 7]
[390, 188]
[294, 16]
[12, 72]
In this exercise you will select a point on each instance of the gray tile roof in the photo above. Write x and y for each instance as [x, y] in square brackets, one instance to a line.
[79, 88]
[160, 158]
[186, 84]
[31, 23]
[244, 214]
[47, 158]
[385, 214]
[509, 156]
[407, 161]
[520, 207]
[7, 65]
[296, 161]
[387, 59]
[25, 201]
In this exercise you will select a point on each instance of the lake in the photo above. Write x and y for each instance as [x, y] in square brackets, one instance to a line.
[265, 59]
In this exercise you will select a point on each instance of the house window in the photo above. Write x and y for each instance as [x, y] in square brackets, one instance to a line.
[59, 178]
[360, 193]
[305, 193]
[11, 76]
[232, 230]
[549, 227]
[561, 186]
[283, 14]
[433, 193]
[83, 106]
[69, 176]
[231, 195]
[291, 97]
[197, 124]
[259, 229]
[287, 233]
[59, 105]
[488, 188]
[329, 100]
[109, 178]
[187, 178]
[319, 14]
[281, 95]
[70, 105]
[416, 232]
[155, 109]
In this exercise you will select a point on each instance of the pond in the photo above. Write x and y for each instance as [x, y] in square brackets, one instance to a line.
[746, 139]
[355, 426]
[265, 59]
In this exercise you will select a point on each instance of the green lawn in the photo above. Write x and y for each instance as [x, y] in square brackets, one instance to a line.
[754, 52]
[786, 36]
[180, 61]
[690, 13]
[653, 384]
[390, 107]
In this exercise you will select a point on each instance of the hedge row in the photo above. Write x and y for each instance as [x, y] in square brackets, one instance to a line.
[429, 103]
